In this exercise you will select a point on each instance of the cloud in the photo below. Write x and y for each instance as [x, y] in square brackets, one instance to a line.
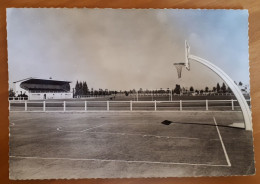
[125, 49]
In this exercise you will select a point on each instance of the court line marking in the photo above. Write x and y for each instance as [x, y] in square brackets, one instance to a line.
[131, 134]
[222, 143]
[124, 161]
[23, 119]
[60, 129]
[149, 135]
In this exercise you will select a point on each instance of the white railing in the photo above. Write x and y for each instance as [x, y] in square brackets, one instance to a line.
[180, 105]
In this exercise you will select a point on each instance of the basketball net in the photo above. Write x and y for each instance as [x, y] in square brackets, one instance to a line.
[179, 67]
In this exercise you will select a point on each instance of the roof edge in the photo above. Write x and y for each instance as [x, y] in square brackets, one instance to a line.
[40, 79]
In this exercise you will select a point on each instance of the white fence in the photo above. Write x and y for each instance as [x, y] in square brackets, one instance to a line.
[181, 105]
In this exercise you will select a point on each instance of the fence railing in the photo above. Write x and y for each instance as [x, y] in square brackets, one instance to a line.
[180, 105]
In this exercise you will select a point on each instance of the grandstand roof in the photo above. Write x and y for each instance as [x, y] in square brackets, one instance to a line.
[39, 80]
[44, 85]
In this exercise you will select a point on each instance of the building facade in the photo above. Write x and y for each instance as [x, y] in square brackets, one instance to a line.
[43, 89]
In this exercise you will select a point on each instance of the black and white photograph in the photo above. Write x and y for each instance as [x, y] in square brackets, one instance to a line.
[128, 93]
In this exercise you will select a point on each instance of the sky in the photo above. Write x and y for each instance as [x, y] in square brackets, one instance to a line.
[126, 49]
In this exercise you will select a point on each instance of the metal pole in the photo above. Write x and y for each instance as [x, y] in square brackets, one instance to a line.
[207, 105]
[86, 106]
[232, 103]
[131, 105]
[107, 105]
[155, 107]
[44, 106]
[237, 92]
[64, 106]
[25, 105]
[171, 94]
[180, 105]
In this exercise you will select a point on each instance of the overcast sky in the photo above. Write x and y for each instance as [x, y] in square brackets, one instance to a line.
[126, 49]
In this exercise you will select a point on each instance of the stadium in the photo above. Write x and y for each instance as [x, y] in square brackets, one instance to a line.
[136, 135]
[42, 89]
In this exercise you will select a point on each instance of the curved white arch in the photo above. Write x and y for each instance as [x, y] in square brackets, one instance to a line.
[241, 99]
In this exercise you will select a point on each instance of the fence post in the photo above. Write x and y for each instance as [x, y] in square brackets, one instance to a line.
[232, 103]
[131, 105]
[25, 105]
[64, 106]
[180, 105]
[155, 107]
[207, 105]
[44, 106]
[86, 107]
[107, 105]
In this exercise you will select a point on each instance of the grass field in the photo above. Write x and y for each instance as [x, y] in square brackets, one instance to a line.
[128, 144]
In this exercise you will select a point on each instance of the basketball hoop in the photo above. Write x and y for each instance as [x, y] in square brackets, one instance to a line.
[179, 67]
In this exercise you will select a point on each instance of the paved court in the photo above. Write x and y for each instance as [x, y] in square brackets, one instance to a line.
[128, 144]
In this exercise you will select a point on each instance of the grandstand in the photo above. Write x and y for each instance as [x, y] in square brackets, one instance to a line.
[40, 89]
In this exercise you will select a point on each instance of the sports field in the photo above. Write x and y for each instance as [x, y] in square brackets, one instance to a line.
[128, 144]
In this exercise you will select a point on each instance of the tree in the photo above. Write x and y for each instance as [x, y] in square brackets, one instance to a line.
[80, 88]
[201, 91]
[206, 89]
[85, 88]
[240, 83]
[183, 90]
[191, 89]
[218, 87]
[214, 89]
[95, 92]
[100, 91]
[126, 93]
[177, 89]
[224, 88]
[77, 89]
[11, 93]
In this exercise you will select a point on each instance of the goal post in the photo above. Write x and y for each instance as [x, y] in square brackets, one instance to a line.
[235, 89]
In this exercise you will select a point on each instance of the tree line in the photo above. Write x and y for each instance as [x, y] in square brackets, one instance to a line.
[215, 89]
[81, 89]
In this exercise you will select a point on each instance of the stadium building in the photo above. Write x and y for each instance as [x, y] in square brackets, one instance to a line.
[41, 89]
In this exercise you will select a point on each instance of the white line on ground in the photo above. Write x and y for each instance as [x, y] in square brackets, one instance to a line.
[125, 161]
[23, 119]
[147, 135]
[223, 146]
[60, 129]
